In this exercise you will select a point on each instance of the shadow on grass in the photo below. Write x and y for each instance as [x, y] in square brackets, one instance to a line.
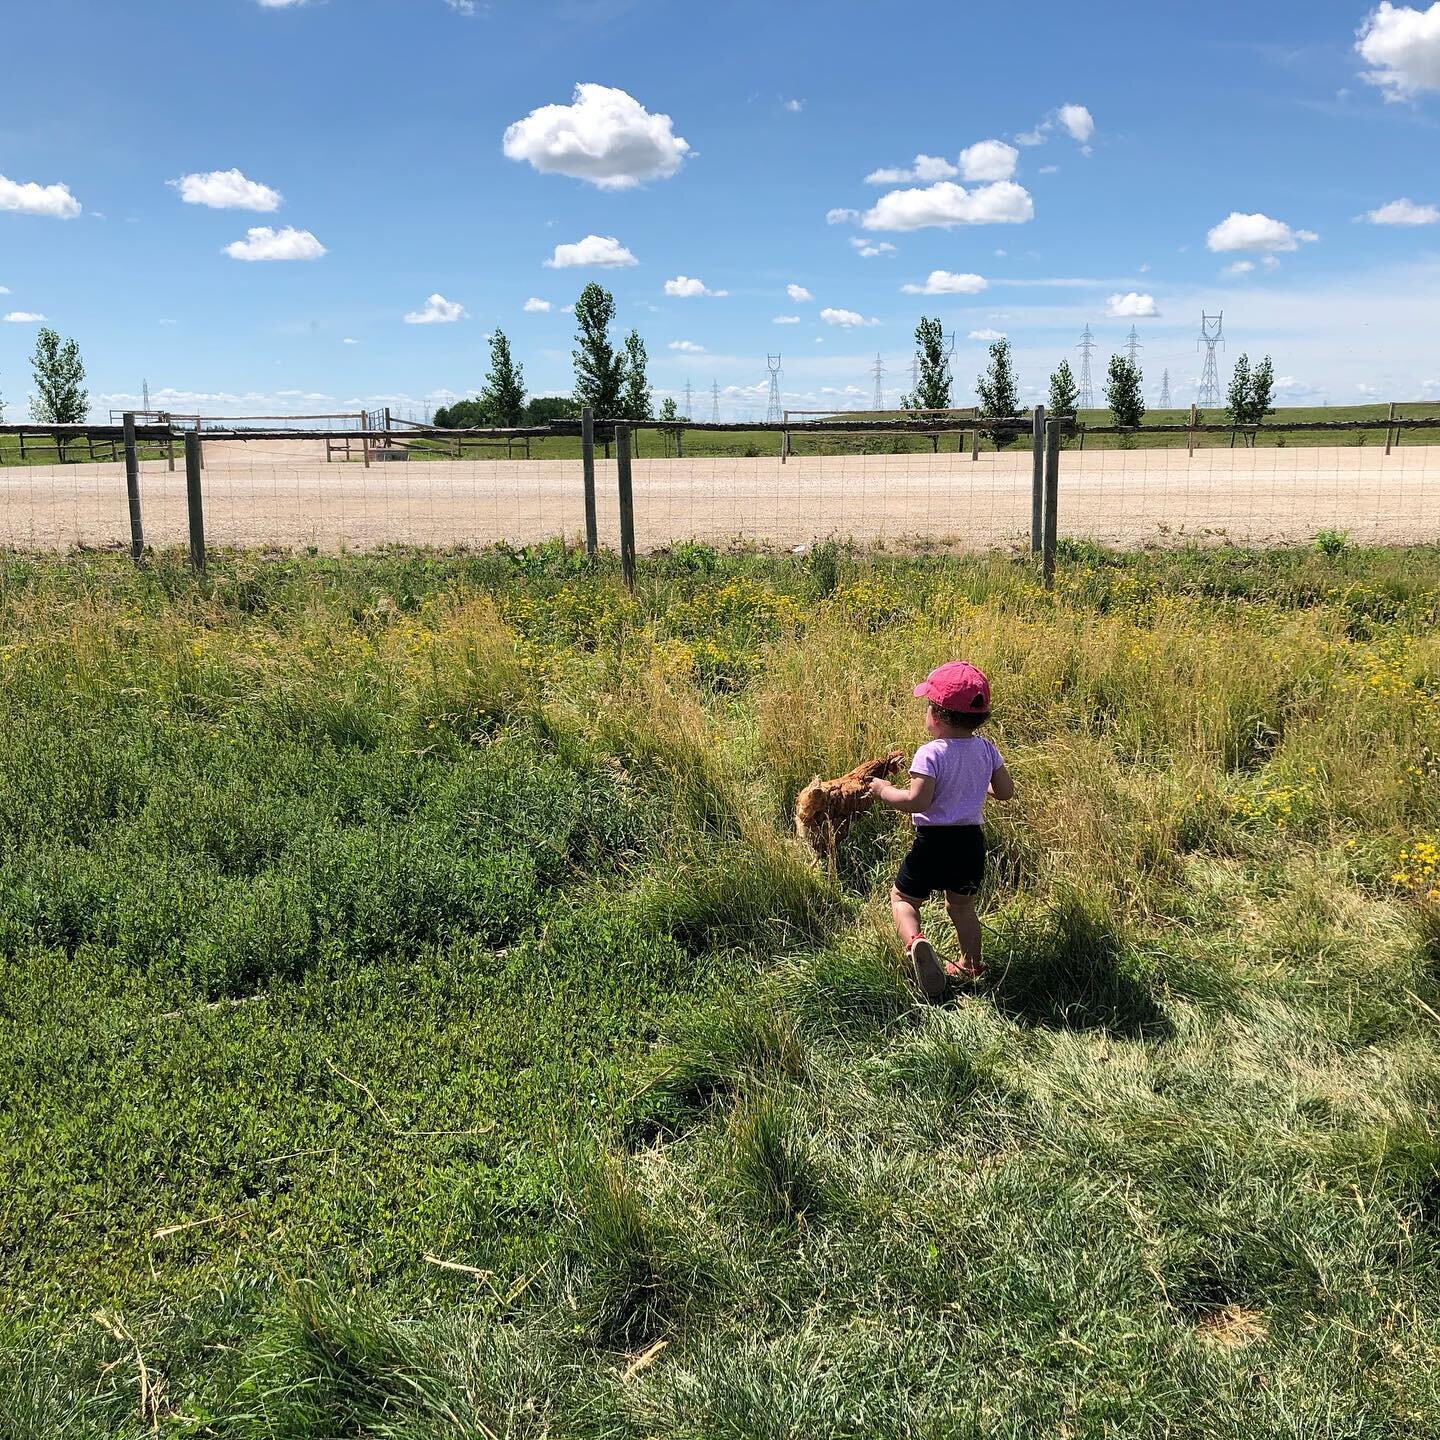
[1068, 968]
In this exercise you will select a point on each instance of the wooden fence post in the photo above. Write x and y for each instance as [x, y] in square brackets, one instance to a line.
[975, 443]
[1389, 428]
[194, 503]
[1052, 502]
[587, 465]
[1037, 481]
[365, 436]
[1190, 433]
[132, 490]
[627, 505]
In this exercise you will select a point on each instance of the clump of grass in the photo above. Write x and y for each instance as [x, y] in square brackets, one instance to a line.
[854, 988]
[778, 1180]
[632, 1279]
[716, 1051]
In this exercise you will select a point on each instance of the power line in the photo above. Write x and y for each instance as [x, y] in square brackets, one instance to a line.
[772, 406]
[878, 371]
[1212, 333]
[1087, 389]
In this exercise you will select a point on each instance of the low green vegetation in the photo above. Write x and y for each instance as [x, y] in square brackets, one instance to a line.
[418, 1020]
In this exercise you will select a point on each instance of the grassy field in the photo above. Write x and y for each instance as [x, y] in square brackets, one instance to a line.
[758, 442]
[698, 444]
[416, 1019]
[42, 451]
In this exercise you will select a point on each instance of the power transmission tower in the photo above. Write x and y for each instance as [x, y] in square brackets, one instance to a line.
[1133, 346]
[145, 396]
[714, 402]
[1087, 388]
[772, 406]
[1165, 391]
[689, 413]
[878, 371]
[914, 372]
[1212, 333]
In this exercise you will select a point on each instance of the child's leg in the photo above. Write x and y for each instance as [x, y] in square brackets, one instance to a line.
[928, 973]
[907, 916]
[961, 910]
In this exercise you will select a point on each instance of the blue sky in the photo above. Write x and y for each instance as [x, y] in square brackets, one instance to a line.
[1231, 156]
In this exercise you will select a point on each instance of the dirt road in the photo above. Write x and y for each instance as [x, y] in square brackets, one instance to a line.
[283, 494]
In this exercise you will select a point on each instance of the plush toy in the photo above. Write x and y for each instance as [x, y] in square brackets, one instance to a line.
[826, 809]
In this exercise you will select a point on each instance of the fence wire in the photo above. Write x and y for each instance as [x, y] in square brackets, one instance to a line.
[284, 495]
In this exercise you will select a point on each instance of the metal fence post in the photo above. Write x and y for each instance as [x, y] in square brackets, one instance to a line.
[587, 463]
[1037, 480]
[132, 490]
[627, 505]
[1052, 501]
[194, 502]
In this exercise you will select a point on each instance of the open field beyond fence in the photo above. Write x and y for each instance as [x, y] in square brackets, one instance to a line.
[418, 1020]
[283, 494]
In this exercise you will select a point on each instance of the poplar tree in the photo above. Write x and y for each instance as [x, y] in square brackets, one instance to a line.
[932, 388]
[1064, 393]
[1122, 391]
[599, 371]
[503, 395]
[59, 375]
[998, 389]
[636, 402]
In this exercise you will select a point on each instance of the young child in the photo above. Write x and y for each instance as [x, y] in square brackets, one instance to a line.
[949, 780]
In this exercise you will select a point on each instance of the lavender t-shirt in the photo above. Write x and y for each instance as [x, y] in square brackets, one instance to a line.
[962, 768]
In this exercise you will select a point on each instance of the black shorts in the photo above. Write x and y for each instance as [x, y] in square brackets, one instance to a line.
[943, 857]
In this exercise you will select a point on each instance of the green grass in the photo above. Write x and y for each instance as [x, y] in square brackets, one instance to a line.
[41, 450]
[700, 444]
[416, 1019]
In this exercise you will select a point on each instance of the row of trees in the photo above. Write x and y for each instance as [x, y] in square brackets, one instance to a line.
[613, 382]
[1248, 402]
[60, 396]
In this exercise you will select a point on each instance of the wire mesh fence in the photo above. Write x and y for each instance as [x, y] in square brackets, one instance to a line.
[290, 492]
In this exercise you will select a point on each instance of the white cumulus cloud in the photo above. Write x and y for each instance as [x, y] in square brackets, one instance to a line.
[841, 216]
[1403, 212]
[986, 334]
[1402, 45]
[606, 137]
[786, 320]
[798, 292]
[846, 319]
[794, 106]
[438, 311]
[56, 201]
[1255, 232]
[604, 251]
[535, 306]
[946, 204]
[869, 249]
[263, 243]
[687, 287]
[226, 190]
[924, 167]
[1130, 306]
[1077, 122]
[349, 340]
[1240, 267]
[23, 317]
[947, 282]
[688, 347]
[988, 160]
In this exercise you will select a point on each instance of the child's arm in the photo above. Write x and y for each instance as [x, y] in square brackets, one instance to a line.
[907, 799]
[1002, 783]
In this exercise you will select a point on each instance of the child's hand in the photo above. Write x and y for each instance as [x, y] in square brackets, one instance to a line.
[878, 788]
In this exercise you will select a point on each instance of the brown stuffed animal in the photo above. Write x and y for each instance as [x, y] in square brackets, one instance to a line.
[826, 809]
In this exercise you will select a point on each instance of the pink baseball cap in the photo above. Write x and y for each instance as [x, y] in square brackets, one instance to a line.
[957, 685]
